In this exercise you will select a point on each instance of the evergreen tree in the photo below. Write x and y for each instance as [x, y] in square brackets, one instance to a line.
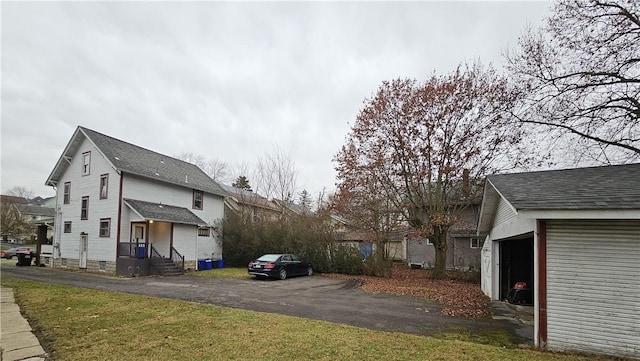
[242, 183]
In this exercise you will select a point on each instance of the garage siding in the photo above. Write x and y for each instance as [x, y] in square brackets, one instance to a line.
[593, 288]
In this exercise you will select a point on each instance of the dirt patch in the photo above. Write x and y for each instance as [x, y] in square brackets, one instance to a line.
[463, 299]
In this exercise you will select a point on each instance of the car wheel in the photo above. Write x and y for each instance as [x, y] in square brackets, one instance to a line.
[283, 274]
[11, 257]
[310, 271]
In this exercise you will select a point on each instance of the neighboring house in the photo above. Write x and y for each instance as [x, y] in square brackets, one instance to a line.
[249, 203]
[574, 237]
[125, 209]
[31, 213]
[463, 245]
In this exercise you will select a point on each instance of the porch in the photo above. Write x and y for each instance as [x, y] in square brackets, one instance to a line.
[143, 259]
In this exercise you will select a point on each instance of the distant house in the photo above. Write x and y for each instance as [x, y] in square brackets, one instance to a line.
[573, 236]
[31, 213]
[249, 203]
[125, 209]
[463, 244]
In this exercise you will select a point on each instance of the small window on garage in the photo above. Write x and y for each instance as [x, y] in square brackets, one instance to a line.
[102, 265]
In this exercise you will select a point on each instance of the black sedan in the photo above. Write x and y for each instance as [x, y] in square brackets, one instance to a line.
[279, 266]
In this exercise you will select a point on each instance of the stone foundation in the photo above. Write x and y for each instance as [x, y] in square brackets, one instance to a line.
[74, 263]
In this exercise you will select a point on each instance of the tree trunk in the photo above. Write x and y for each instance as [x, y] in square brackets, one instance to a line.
[439, 240]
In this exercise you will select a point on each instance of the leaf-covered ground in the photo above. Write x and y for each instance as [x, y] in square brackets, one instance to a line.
[459, 298]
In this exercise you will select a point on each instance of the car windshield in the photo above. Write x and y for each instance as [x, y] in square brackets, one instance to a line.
[269, 258]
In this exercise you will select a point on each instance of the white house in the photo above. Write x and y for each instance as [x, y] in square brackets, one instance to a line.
[574, 237]
[125, 209]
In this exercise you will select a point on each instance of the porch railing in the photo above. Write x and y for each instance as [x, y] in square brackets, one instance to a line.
[155, 255]
[175, 256]
[132, 250]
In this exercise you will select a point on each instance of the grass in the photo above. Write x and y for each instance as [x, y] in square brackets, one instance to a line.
[228, 272]
[81, 324]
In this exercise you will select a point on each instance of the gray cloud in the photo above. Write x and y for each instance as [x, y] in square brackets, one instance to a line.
[224, 80]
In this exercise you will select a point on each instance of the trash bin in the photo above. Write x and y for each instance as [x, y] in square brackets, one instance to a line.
[24, 259]
[208, 264]
[202, 265]
[141, 252]
[220, 263]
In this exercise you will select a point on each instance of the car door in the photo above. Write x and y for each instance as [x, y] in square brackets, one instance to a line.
[286, 263]
[297, 265]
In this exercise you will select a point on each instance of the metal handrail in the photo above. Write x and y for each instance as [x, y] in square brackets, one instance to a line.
[154, 255]
[176, 256]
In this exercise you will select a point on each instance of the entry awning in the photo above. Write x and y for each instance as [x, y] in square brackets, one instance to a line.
[163, 213]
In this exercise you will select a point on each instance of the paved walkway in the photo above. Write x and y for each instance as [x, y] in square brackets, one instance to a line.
[17, 342]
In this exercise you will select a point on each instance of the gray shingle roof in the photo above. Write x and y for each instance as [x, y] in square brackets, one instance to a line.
[610, 187]
[164, 213]
[136, 160]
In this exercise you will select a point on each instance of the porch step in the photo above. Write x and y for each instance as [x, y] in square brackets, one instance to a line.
[165, 267]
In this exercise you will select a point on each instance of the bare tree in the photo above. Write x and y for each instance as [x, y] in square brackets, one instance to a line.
[216, 169]
[277, 175]
[580, 77]
[12, 223]
[22, 192]
[414, 146]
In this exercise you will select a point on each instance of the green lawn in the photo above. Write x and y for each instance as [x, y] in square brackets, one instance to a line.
[81, 324]
[228, 272]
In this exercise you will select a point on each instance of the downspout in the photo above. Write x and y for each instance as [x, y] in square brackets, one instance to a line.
[541, 288]
[119, 217]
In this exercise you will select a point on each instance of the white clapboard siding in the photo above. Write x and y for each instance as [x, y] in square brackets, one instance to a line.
[504, 212]
[593, 290]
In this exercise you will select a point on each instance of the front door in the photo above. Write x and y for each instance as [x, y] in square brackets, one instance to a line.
[138, 237]
[84, 245]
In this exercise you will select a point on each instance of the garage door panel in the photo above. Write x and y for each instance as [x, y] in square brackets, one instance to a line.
[593, 286]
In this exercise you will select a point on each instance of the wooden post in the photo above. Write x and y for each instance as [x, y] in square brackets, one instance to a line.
[42, 237]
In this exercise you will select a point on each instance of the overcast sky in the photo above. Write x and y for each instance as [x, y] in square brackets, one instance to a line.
[224, 80]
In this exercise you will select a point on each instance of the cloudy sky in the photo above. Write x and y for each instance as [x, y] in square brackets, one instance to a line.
[224, 80]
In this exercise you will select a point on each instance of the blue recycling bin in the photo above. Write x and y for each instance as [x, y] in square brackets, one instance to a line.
[141, 252]
[220, 263]
[202, 265]
[208, 264]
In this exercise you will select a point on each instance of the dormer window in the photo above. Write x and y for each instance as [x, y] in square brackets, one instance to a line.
[86, 163]
[198, 197]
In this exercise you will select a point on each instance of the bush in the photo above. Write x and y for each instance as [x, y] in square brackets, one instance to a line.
[307, 236]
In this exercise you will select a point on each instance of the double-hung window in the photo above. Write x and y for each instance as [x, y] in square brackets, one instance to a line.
[198, 199]
[105, 227]
[84, 209]
[104, 186]
[67, 193]
[86, 163]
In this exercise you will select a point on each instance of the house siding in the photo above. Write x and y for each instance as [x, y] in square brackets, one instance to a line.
[504, 213]
[593, 287]
[185, 236]
[99, 248]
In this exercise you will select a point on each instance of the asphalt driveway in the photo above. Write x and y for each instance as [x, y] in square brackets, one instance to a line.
[313, 297]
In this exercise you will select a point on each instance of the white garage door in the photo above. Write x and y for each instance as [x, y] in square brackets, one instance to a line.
[593, 286]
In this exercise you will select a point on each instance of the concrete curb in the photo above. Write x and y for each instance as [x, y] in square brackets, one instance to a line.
[17, 342]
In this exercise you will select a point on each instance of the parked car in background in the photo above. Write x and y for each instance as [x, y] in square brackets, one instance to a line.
[279, 266]
[13, 252]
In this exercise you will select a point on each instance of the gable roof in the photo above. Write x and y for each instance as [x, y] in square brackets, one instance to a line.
[128, 158]
[164, 213]
[564, 193]
[249, 198]
[610, 187]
